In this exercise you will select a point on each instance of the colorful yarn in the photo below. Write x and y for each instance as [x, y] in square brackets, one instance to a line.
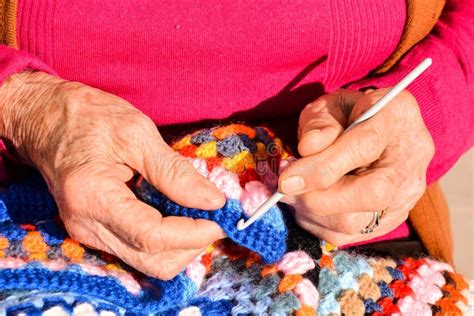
[256, 271]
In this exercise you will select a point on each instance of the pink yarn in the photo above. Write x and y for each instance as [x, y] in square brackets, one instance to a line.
[55, 265]
[190, 311]
[93, 270]
[427, 273]
[200, 165]
[296, 262]
[126, 280]
[196, 271]
[425, 290]
[254, 195]
[227, 182]
[439, 266]
[307, 293]
[11, 263]
[410, 306]
[285, 163]
[267, 175]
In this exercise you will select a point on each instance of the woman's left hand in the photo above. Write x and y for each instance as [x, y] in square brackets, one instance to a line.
[343, 178]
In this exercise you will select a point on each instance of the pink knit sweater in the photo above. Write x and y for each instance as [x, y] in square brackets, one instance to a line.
[186, 61]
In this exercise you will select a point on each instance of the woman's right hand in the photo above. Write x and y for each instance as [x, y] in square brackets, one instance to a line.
[87, 144]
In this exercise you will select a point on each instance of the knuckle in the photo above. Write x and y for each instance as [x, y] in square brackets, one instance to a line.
[381, 190]
[369, 145]
[349, 223]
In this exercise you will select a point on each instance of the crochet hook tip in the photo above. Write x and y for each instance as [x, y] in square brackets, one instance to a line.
[242, 224]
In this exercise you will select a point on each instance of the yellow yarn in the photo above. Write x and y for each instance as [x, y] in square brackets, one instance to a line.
[207, 150]
[239, 163]
[183, 142]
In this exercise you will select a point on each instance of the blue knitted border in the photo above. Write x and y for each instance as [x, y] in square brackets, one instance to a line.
[267, 236]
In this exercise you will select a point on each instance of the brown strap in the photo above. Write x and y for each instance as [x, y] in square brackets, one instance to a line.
[421, 18]
[430, 219]
[8, 9]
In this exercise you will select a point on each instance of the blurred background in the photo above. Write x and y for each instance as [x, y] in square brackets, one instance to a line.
[458, 186]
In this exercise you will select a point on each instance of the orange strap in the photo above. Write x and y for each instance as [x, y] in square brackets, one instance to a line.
[421, 18]
[430, 219]
[8, 9]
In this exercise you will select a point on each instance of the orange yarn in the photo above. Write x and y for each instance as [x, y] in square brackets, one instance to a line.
[326, 262]
[448, 307]
[35, 245]
[459, 282]
[289, 282]
[3, 245]
[270, 269]
[453, 293]
[72, 249]
[305, 310]
[252, 259]
[232, 129]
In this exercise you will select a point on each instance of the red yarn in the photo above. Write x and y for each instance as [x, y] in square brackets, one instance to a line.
[410, 266]
[400, 289]
[188, 151]
[248, 175]
[28, 227]
[213, 162]
[388, 308]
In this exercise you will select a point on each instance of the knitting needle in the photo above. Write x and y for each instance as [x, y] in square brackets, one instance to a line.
[379, 105]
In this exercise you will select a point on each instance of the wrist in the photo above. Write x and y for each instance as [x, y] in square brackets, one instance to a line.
[27, 112]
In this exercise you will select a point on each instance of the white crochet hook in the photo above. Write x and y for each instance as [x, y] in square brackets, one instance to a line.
[379, 105]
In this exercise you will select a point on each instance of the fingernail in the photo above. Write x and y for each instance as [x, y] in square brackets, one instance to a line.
[292, 184]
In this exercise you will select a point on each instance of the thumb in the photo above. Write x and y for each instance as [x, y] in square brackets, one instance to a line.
[172, 174]
[322, 121]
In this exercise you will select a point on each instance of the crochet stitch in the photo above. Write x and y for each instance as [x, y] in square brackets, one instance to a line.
[273, 267]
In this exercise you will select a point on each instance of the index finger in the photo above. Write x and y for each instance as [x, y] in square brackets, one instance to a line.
[356, 148]
[145, 228]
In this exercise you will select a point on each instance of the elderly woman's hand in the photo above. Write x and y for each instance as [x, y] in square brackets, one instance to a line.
[87, 144]
[342, 178]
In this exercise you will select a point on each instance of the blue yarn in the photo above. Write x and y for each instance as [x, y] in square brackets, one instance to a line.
[347, 282]
[51, 233]
[344, 263]
[395, 273]
[328, 282]
[32, 277]
[267, 237]
[202, 137]
[385, 290]
[371, 306]
[262, 135]
[329, 305]
[230, 146]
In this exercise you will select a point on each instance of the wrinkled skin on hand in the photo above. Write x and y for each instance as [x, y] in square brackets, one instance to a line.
[87, 144]
[342, 179]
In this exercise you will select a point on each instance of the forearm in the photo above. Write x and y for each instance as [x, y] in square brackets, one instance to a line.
[445, 91]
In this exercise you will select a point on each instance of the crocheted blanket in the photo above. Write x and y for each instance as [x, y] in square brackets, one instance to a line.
[273, 267]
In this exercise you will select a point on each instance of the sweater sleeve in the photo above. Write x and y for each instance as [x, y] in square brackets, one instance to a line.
[14, 61]
[445, 92]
